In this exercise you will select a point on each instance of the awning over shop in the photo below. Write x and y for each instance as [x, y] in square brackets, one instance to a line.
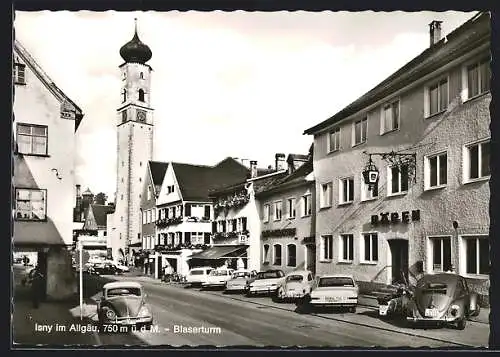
[37, 234]
[221, 251]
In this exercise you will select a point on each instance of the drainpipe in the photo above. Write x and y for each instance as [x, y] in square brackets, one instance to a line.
[455, 254]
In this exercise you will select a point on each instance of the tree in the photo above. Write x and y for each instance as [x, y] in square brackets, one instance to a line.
[100, 198]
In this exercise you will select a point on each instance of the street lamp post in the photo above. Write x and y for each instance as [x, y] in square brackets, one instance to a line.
[80, 251]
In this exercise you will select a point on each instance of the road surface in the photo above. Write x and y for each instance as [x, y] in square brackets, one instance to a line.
[190, 317]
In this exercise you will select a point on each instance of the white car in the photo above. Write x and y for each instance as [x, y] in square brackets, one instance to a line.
[122, 267]
[296, 285]
[336, 290]
[240, 280]
[266, 282]
[217, 278]
[197, 276]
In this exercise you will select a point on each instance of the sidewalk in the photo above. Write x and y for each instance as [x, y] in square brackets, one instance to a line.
[371, 301]
[28, 322]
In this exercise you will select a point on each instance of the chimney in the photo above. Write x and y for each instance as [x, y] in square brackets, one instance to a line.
[435, 32]
[279, 162]
[253, 169]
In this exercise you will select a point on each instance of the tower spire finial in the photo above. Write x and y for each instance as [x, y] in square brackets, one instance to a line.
[135, 24]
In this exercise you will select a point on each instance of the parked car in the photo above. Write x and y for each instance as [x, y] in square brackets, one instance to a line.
[123, 268]
[442, 298]
[198, 276]
[218, 278]
[266, 282]
[123, 303]
[239, 280]
[296, 285]
[336, 290]
[106, 269]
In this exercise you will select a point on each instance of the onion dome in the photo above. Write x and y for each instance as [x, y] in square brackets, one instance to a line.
[135, 51]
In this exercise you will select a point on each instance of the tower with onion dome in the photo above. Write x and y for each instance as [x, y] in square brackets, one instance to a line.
[135, 128]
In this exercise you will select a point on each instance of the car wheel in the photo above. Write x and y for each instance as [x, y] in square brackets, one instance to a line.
[461, 324]
[248, 293]
[352, 309]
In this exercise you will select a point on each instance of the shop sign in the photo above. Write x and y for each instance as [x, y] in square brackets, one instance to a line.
[395, 217]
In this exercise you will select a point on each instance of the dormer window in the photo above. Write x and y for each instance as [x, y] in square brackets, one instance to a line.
[141, 95]
[18, 73]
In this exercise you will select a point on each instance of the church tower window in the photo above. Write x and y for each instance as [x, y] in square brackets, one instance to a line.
[124, 95]
[141, 95]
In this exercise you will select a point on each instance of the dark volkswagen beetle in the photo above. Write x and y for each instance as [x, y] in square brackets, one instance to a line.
[123, 303]
[442, 298]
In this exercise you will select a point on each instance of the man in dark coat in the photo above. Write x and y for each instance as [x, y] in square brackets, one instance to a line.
[37, 282]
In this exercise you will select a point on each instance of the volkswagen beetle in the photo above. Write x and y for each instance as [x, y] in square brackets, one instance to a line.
[123, 303]
[442, 298]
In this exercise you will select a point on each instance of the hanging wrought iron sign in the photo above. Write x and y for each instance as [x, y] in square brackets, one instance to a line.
[394, 159]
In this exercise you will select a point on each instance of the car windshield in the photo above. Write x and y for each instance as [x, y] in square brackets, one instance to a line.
[241, 274]
[219, 273]
[297, 278]
[335, 281]
[124, 292]
[269, 275]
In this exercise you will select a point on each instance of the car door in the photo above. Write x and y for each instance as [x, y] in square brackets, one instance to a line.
[310, 281]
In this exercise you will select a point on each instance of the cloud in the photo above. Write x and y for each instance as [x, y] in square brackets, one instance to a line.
[224, 84]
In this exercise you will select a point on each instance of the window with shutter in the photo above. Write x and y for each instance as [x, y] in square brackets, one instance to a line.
[224, 226]
[187, 237]
[207, 238]
[244, 223]
[214, 227]
[187, 209]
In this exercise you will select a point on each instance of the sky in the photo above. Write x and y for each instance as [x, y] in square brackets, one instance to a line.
[238, 84]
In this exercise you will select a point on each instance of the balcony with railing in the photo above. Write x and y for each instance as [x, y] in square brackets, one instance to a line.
[166, 248]
[234, 201]
[165, 222]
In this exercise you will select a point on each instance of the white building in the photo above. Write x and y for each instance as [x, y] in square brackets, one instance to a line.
[45, 123]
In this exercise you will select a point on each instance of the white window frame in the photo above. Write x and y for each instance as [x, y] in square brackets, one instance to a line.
[341, 248]
[19, 73]
[431, 240]
[32, 136]
[367, 195]
[267, 210]
[466, 161]
[274, 254]
[342, 182]
[465, 79]
[427, 96]
[389, 183]
[329, 139]
[291, 207]
[382, 119]
[30, 201]
[288, 255]
[278, 210]
[329, 252]
[463, 254]
[306, 198]
[326, 198]
[363, 139]
[427, 170]
[362, 259]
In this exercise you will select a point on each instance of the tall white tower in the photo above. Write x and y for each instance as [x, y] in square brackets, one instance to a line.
[134, 145]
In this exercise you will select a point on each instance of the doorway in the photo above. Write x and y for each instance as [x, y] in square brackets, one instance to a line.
[42, 265]
[399, 261]
[310, 261]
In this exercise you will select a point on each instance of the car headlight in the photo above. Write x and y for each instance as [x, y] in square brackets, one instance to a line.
[144, 312]
[454, 310]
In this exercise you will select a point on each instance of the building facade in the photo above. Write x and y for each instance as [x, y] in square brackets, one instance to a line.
[185, 211]
[287, 218]
[236, 229]
[428, 211]
[45, 122]
[94, 233]
[135, 129]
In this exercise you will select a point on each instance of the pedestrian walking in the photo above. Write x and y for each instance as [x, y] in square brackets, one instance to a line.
[37, 282]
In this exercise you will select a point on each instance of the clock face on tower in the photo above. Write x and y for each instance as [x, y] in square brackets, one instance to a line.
[141, 115]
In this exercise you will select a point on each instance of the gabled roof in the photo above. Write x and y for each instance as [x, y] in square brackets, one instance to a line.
[157, 169]
[458, 42]
[299, 157]
[287, 181]
[100, 212]
[48, 82]
[195, 181]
